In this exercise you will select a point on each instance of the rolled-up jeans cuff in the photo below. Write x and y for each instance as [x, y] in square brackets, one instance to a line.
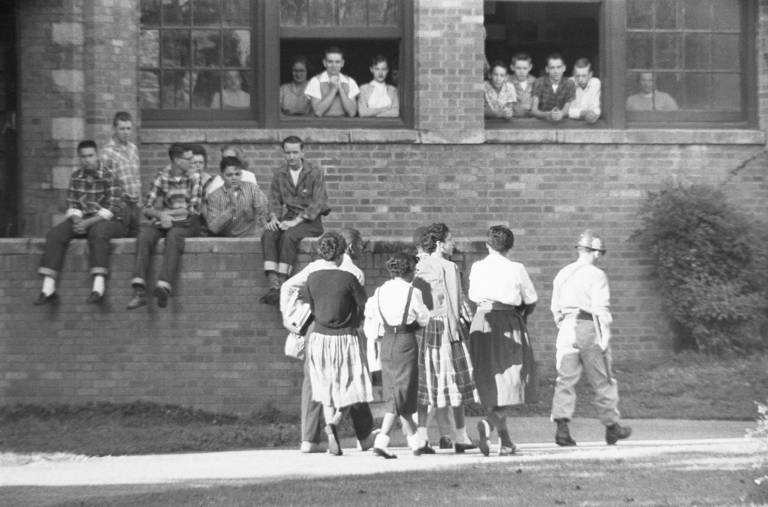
[138, 281]
[47, 272]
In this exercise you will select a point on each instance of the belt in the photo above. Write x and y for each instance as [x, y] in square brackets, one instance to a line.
[580, 315]
[496, 306]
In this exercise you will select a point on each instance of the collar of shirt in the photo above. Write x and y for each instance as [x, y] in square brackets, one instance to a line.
[324, 78]
[97, 174]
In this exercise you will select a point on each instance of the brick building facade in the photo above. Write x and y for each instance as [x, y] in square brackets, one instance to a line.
[79, 62]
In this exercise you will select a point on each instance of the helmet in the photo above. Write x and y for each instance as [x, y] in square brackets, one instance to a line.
[590, 241]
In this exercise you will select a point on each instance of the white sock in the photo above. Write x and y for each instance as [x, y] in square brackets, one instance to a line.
[462, 437]
[421, 433]
[414, 442]
[98, 284]
[49, 285]
[381, 442]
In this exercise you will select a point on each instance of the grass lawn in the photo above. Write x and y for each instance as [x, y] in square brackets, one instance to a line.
[681, 387]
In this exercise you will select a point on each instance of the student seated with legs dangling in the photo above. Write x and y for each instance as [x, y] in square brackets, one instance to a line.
[401, 312]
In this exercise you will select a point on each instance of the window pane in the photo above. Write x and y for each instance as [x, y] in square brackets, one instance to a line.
[149, 55]
[207, 85]
[727, 14]
[237, 48]
[698, 14]
[176, 12]
[671, 83]
[150, 12]
[697, 50]
[352, 12]
[725, 52]
[205, 12]
[726, 91]
[667, 49]
[666, 14]
[697, 90]
[175, 48]
[176, 86]
[293, 12]
[149, 89]
[234, 94]
[237, 12]
[205, 48]
[322, 12]
[639, 51]
[382, 13]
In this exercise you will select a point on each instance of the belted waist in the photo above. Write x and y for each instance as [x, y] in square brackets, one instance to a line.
[408, 328]
[579, 315]
[495, 306]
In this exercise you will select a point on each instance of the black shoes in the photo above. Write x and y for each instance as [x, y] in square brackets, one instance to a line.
[426, 449]
[562, 435]
[42, 299]
[460, 448]
[161, 296]
[95, 298]
[139, 298]
[272, 297]
[616, 432]
[445, 443]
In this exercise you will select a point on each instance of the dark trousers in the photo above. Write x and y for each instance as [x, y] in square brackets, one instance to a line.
[99, 234]
[133, 218]
[174, 247]
[281, 248]
[312, 414]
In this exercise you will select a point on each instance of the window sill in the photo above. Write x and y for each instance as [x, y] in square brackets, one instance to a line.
[492, 136]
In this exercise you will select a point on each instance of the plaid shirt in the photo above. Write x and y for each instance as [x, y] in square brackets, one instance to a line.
[307, 199]
[175, 192]
[549, 99]
[123, 161]
[236, 211]
[96, 194]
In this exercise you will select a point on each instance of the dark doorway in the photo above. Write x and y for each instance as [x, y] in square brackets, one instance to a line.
[9, 167]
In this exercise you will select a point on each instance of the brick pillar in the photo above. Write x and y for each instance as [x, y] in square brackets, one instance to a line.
[450, 52]
[78, 66]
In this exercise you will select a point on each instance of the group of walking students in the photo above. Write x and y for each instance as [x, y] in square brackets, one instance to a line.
[434, 354]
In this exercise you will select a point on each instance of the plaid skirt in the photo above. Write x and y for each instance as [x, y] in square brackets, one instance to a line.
[503, 358]
[445, 369]
[338, 370]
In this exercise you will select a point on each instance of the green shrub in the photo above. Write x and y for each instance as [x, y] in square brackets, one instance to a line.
[710, 262]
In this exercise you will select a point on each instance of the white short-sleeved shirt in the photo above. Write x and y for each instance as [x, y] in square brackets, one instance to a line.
[313, 87]
[498, 279]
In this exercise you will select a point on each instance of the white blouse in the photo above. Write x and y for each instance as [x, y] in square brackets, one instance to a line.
[498, 279]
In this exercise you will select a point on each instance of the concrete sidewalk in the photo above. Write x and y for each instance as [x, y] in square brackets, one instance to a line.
[723, 441]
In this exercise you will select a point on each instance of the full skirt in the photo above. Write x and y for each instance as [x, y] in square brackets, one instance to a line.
[338, 370]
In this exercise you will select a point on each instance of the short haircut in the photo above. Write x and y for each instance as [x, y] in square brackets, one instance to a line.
[333, 49]
[199, 150]
[88, 143]
[498, 63]
[582, 63]
[379, 59]
[230, 162]
[500, 238]
[176, 150]
[354, 241]
[292, 140]
[121, 116]
[434, 233]
[331, 246]
[554, 56]
[525, 57]
[401, 264]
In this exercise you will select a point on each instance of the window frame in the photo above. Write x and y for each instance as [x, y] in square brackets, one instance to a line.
[266, 34]
[612, 26]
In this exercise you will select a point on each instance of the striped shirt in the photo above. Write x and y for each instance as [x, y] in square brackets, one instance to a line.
[94, 194]
[175, 192]
[123, 161]
[236, 211]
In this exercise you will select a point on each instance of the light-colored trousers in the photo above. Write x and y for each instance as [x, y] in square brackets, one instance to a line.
[577, 350]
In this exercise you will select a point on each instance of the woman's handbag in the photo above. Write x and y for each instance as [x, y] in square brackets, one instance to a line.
[297, 314]
[294, 345]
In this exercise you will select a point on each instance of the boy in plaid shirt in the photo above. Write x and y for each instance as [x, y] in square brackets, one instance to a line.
[94, 210]
[173, 206]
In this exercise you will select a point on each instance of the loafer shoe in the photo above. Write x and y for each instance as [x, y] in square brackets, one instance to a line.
[616, 432]
[563, 435]
[460, 448]
[42, 299]
[425, 449]
[505, 450]
[383, 453]
[95, 298]
[161, 296]
[484, 441]
[136, 301]
[272, 297]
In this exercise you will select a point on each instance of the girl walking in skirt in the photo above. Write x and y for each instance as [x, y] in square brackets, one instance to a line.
[445, 369]
[337, 368]
[399, 308]
[499, 345]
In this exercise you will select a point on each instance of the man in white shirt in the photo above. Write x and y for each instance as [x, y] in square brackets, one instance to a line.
[586, 105]
[333, 93]
[580, 306]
